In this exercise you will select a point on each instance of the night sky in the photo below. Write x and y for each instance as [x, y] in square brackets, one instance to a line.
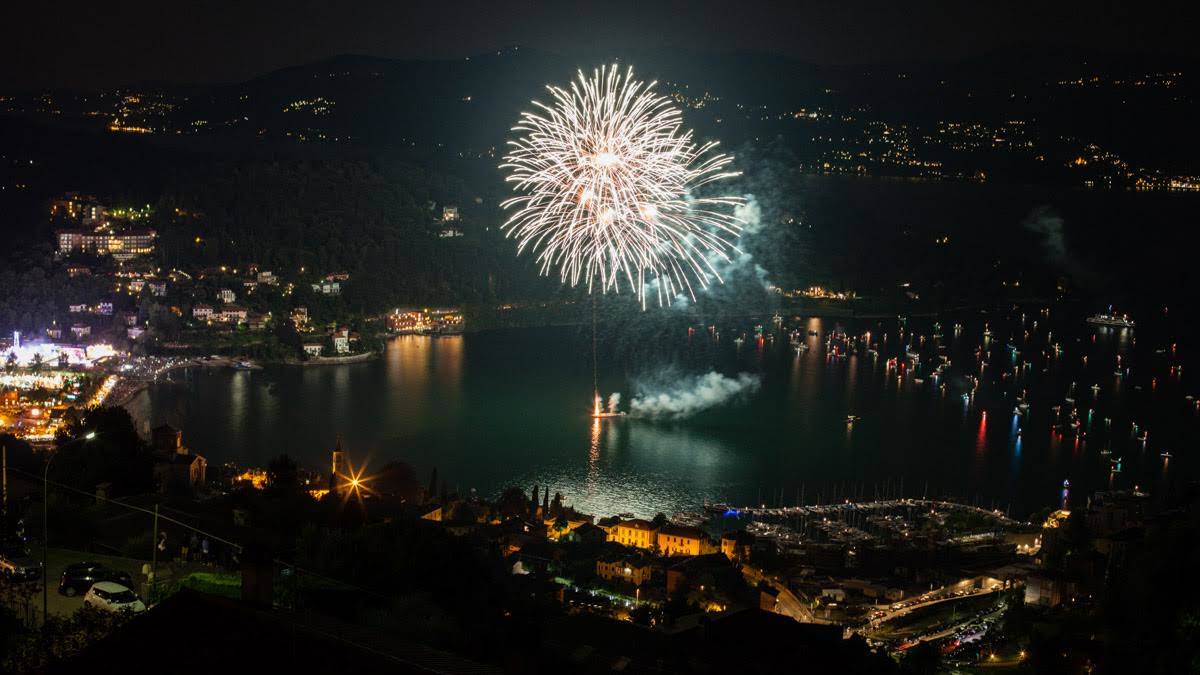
[99, 44]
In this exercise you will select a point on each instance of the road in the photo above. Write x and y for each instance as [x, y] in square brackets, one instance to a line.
[897, 613]
[787, 602]
[57, 561]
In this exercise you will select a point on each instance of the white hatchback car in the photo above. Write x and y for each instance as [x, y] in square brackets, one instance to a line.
[113, 597]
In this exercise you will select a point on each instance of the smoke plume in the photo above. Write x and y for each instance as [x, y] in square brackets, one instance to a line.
[614, 401]
[1045, 221]
[691, 395]
[736, 269]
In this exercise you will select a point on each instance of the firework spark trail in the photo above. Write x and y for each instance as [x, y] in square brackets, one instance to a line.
[605, 183]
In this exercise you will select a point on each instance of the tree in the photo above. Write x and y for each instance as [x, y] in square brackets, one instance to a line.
[58, 639]
[164, 322]
[513, 503]
[283, 473]
[285, 333]
[922, 659]
[397, 479]
[102, 446]
[642, 615]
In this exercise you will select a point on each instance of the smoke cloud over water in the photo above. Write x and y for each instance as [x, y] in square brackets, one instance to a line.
[691, 395]
[736, 268]
[1044, 221]
[614, 402]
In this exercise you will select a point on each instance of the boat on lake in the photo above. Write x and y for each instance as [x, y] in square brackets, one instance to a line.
[1113, 320]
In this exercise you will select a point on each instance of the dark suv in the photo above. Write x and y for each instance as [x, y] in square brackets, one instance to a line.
[79, 577]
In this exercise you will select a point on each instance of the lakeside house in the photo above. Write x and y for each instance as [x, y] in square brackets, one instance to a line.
[177, 470]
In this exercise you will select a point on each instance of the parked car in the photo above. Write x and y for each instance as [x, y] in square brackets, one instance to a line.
[113, 597]
[20, 567]
[78, 578]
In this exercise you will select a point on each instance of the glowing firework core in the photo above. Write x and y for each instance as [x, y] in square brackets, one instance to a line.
[605, 183]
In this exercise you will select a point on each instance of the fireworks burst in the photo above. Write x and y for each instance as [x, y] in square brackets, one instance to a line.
[606, 181]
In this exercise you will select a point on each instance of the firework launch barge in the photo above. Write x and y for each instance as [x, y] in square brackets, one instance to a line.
[599, 412]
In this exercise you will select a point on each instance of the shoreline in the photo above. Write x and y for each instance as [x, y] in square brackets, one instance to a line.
[331, 360]
[127, 388]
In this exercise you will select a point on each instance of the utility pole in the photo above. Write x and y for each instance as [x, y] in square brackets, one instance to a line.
[4, 503]
[154, 559]
[46, 515]
[45, 536]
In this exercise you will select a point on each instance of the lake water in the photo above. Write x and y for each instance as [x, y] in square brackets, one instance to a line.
[495, 409]
[504, 408]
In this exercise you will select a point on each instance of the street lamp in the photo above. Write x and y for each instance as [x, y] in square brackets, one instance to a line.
[46, 524]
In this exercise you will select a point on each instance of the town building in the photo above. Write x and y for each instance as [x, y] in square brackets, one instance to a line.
[231, 314]
[80, 208]
[341, 340]
[421, 321]
[636, 533]
[121, 244]
[704, 573]
[176, 468]
[1048, 588]
[226, 296]
[634, 569]
[683, 540]
[588, 533]
[737, 545]
[299, 317]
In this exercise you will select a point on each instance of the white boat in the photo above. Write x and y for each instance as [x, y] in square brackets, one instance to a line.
[1113, 320]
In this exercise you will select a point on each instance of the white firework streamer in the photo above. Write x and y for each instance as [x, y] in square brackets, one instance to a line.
[605, 182]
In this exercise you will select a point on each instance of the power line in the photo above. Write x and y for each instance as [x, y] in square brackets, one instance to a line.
[206, 533]
[132, 507]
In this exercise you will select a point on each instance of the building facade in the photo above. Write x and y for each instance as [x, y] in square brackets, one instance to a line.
[637, 533]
